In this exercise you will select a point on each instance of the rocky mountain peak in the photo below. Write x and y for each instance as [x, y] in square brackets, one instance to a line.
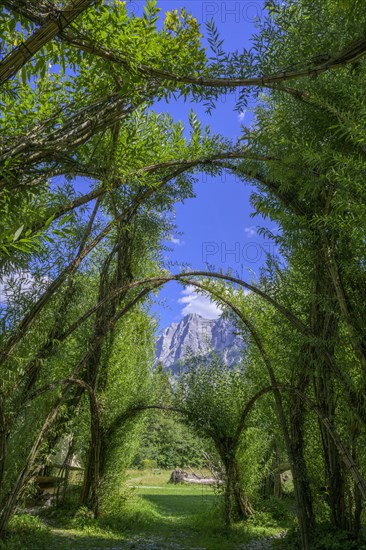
[195, 334]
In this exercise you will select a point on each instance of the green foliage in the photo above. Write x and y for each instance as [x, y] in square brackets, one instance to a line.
[83, 519]
[279, 510]
[148, 464]
[26, 531]
[325, 538]
[170, 444]
[328, 538]
[213, 396]
[55, 88]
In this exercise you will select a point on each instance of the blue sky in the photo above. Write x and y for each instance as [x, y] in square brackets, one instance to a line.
[216, 226]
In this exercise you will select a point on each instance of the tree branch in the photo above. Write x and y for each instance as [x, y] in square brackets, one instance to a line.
[58, 21]
[352, 53]
[343, 451]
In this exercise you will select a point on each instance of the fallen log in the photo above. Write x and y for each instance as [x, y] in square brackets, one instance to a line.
[181, 476]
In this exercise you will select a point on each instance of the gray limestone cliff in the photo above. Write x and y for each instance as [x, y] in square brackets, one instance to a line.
[197, 335]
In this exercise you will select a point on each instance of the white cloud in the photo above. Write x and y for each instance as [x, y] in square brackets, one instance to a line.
[20, 283]
[241, 116]
[196, 303]
[175, 240]
[250, 231]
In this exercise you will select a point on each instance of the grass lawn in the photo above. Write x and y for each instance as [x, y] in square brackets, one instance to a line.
[155, 515]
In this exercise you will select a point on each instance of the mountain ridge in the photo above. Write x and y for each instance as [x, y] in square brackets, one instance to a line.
[200, 336]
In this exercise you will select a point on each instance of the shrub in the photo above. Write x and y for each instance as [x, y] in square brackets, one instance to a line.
[148, 464]
[326, 538]
[26, 531]
[277, 508]
[262, 519]
[83, 518]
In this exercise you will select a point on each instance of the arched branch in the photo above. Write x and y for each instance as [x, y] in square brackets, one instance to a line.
[180, 166]
[350, 54]
[357, 401]
[50, 345]
[262, 350]
[134, 411]
[155, 282]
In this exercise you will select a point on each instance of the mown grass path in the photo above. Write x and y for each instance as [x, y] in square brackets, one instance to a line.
[159, 516]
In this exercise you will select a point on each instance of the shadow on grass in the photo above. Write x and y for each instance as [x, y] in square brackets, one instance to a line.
[70, 541]
[189, 521]
[146, 520]
[179, 505]
[143, 541]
